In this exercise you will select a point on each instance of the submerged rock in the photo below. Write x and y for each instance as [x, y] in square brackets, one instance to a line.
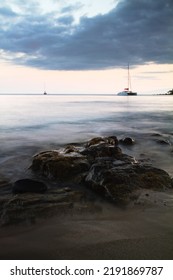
[160, 139]
[163, 142]
[127, 141]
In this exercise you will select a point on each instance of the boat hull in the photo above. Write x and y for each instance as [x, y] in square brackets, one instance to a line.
[127, 93]
[132, 93]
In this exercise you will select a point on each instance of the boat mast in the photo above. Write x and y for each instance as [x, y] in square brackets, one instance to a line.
[129, 80]
[128, 76]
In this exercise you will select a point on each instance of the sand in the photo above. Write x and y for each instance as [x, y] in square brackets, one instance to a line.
[143, 230]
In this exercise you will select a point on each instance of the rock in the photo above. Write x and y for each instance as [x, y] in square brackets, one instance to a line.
[127, 141]
[101, 166]
[70, 149]
[113, 140]
[59, 166]
[159, 139]
[28, 185]
[163, 142]
[156, 134]
[95, 141]
[119, 182]
[102, 150]
[3, 181]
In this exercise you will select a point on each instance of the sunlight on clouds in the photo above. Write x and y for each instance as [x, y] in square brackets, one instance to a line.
[90, 8]
[98, 7]
[7, 55]
[79, 8]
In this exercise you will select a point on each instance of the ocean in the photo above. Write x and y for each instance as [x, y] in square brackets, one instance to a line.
[33, 123]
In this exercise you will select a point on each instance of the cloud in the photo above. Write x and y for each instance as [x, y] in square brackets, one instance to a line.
[158, 72]
[66, 20]
[138, 32]
[7, 12]
[71, 8]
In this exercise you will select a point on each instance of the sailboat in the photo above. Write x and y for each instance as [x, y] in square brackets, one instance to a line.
[127, 91]
[45, 89]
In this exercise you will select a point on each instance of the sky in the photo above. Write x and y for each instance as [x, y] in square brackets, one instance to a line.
[84, 46]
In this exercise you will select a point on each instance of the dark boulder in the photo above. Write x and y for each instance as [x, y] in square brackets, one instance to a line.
[70, 149]
[28, 186]
[119, 181]
[127, 141]
[95, 141]
[112, 140]
[102, 150]
[59, 166]
[103, 167]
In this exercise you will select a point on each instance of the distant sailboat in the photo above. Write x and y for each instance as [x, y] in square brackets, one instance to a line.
[127, 91]
[45, 89]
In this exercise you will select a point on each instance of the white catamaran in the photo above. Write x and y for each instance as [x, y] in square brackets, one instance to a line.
[127, 91]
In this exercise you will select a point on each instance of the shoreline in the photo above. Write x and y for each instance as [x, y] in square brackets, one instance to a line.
[138, 232]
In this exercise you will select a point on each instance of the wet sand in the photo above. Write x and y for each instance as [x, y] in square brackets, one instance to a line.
[140, 231]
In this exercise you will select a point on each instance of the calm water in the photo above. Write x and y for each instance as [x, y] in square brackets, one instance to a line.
[32, 123]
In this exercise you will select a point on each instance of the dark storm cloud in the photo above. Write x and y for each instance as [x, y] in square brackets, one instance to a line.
[66, 20]
[135, 31]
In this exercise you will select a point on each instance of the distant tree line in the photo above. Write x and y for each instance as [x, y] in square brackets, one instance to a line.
[170, 92]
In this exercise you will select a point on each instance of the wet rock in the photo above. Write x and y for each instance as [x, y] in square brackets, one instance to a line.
[3, 181]
[163, 142]
[102, 150]
[101, 166]
[156, 135]
[127, 141]
[70, 149]
[95, 141]
[58, 166]
[119, 182]
[112, 140]
[28, 185]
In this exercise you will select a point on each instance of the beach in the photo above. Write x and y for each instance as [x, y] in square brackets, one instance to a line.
[93, 228]
[140, 232]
